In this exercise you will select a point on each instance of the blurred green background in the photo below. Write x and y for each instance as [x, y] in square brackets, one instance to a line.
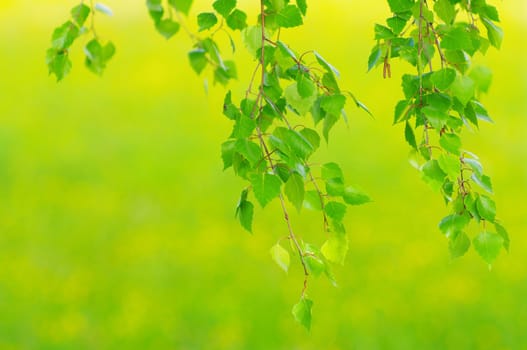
[117, 225]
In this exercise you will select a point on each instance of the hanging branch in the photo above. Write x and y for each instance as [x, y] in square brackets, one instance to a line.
[443, 102]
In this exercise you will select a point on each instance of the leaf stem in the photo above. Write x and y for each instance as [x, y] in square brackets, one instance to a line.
[267, 153]
[420, 69]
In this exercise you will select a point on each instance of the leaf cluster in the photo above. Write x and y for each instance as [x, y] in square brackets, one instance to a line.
[97, 53]
[440, 101]
[293, 101]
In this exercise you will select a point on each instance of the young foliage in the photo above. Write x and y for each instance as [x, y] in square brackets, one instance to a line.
[302, 312]
[290, 101]
[293, 100]
[441, 100]
[97, 52]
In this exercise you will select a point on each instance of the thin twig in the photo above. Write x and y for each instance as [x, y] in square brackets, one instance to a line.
[259, 100]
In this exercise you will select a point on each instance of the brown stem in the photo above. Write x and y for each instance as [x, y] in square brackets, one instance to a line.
[420, 68]
[438, 46]
[260, 98]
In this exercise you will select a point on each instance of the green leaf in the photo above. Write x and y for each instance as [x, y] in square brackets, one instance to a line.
[335, 210]
[486, 207]
[290, 16]
[454, 123]
[333, 104]
[331, 171]
[294, 190]
[335, 187]
[396, 24]
[433, 174]
[446, 10]
[198, 60]
[330, 82]
[458, 60]
[469, 202]
[336, 248]
[243, 127]
[245, 214]
[503, 233]
[490, 12]
[252, 39]
[229, 109]
[241, 166]
[410, 136]
[249, 150]
[227, 153]
[80, 13]
[206, 20]
[450, 164]
[317, 113]
[337, 227]
[224, 7]
[410, 84]
[248, 106]
[283, 171]
[314, 264]
[305, 86]
[374, 57]
[451, 224]
[302, 312]
[480, 111]
[266, 187]
[443, 78]
[155, 9]
[327, 66]
[451, 143]
[488, 246]
[302, 6]
[167, 28]
[98, 55]
[102, 8]
[383, 33]
[300, 104]
[475, 165]
[182, 6]
[458, 244]
[482, 77]
[223, 74]
[58, 63]
[237, 20]
[457, 38]
[401, 111]
[298, 144]
[439, 101]
[354, 196]
[463, 88]
[280, 256]
[154, 5]
[312, 136]
[286, 50]
[270, 78]
[494, 33]
[483, 181]
[401, 5]
[448, 190]
[312, 201]
[64, 36]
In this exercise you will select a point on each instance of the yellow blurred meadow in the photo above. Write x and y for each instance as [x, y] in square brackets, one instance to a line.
[117, 226]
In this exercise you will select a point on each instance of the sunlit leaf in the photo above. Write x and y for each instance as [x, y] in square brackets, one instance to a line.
[488, 246]
[280, 256]
[302, 312]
